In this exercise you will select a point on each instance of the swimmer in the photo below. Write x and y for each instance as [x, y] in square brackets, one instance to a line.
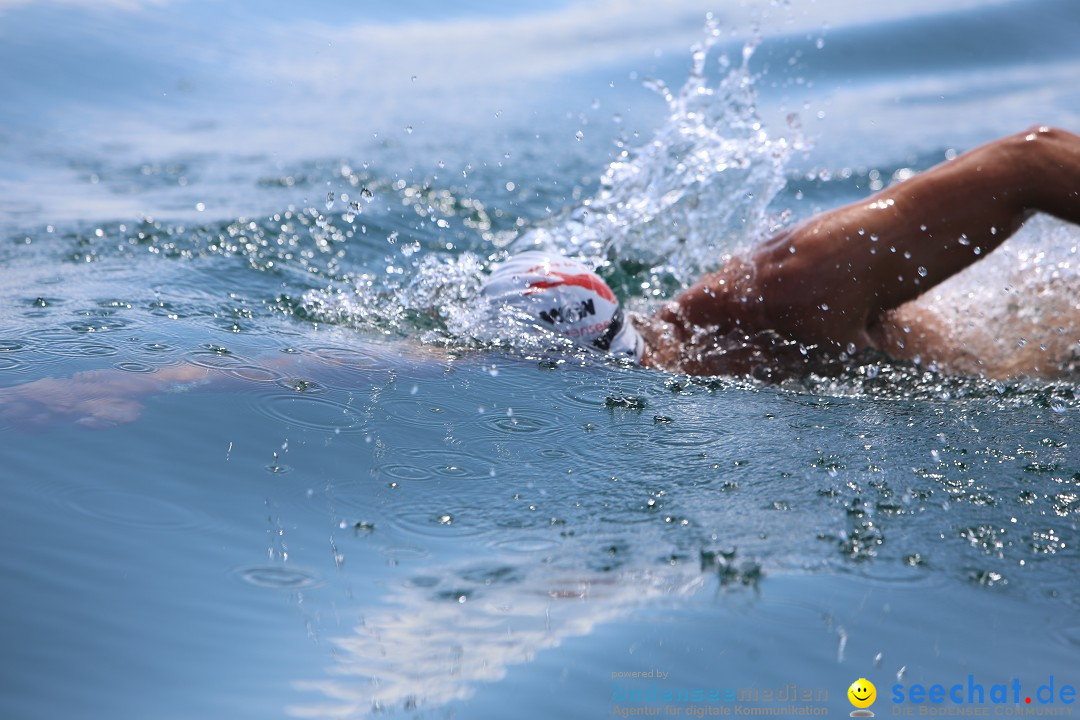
[840, 282]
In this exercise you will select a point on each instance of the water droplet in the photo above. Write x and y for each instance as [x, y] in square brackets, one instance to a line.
[964, 240]
[922, 271]
[366, 194]
[330, 201]
[825, 307]
[199, 207]
[408, 129]
[351, 212]
[820, 43]
[579, 135]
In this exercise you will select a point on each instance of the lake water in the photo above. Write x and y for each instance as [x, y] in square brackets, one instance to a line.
[264, 457]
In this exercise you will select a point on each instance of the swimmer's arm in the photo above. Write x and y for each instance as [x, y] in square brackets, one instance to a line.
[107, 397]
[827, 280]
[95, 398]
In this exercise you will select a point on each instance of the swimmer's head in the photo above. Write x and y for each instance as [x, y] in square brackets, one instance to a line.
[566, 297]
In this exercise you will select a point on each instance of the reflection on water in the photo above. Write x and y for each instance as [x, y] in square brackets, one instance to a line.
[444, 635]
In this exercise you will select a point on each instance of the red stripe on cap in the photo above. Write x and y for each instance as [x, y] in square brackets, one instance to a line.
[589, 281]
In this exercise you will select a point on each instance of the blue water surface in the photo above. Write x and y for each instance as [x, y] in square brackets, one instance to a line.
[260, 461]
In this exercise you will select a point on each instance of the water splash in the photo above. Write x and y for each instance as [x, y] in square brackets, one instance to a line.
[668, 210]
[698, 190]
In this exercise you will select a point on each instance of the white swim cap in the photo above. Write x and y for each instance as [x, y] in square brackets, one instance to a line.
[568, 297]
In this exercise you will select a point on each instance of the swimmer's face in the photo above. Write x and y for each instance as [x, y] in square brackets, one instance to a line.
[862, 693]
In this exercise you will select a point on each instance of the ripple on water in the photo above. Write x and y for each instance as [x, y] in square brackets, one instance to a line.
[279, 577]
[677, 435]
[215, 358]
[134, 367]
[256, 373]
[10, 363]
[590, 396]
[417, 412]
[554, 454]
[308, 387]
[224, 361]
[98, 325]
[78, 348]
[528, 422]
[403, 472]
[526, 545]
[313, 412]
[132, 509]
[14, 345]
[447, 463]
[454, 522]
[349, 357]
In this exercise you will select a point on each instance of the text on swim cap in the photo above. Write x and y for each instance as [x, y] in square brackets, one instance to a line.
[569, 314]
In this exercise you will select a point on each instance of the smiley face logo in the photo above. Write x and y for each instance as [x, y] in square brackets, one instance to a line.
[862, 694]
